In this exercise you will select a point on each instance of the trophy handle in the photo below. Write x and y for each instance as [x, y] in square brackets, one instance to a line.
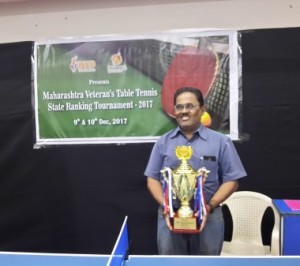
[167, 190]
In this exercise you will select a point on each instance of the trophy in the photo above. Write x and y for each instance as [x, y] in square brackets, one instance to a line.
[185, 184]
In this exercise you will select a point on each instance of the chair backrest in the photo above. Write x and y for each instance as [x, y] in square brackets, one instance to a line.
[247, 210]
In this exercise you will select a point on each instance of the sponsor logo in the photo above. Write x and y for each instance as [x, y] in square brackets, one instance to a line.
[82, 65]
[117, 64]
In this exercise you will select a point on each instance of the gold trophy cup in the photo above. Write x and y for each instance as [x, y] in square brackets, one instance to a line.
[183, 183]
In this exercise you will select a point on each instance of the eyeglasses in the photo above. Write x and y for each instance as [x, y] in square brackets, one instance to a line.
[188, 107]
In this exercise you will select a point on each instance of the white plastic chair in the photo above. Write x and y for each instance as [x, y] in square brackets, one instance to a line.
[247, 210]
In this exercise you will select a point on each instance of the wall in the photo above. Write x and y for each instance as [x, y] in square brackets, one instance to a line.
[23, 20]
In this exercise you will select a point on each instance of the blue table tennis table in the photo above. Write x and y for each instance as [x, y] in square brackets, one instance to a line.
[44, 259]
[120, 256]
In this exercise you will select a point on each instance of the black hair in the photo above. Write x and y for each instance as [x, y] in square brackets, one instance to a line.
[193, 90]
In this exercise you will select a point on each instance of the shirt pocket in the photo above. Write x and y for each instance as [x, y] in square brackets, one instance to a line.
[211, 164]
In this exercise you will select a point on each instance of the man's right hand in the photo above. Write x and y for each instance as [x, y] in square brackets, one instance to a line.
[168, 221]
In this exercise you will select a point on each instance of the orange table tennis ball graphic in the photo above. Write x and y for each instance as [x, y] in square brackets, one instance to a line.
[206, 119]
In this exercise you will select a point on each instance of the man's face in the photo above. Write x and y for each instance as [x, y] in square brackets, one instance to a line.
[188, 112]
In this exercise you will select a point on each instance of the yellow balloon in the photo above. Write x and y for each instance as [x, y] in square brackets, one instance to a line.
[206, 119]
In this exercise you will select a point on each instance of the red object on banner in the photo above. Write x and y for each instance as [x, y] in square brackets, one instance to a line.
[191, 67]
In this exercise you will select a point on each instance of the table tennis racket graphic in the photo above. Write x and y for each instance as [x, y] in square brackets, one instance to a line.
[191, 67]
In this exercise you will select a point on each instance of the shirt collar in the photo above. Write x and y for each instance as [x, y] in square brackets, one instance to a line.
[201, 131]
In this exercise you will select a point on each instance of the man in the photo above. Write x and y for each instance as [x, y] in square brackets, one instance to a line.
[211, 150]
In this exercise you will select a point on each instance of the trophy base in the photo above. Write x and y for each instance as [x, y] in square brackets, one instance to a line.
[185, 225]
